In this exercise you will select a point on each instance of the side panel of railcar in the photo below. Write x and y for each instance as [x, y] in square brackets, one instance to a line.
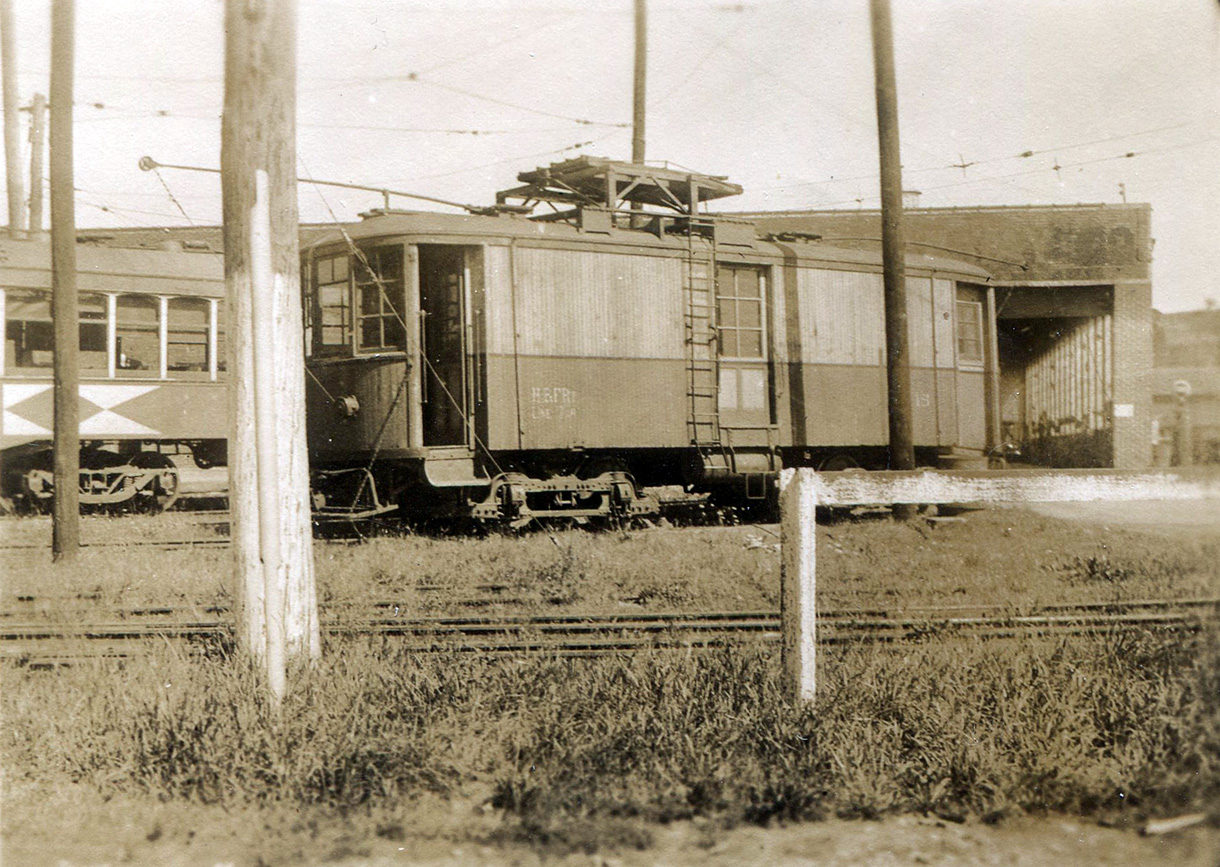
[151, 345]
[585, 349]
[836, 358]
[836, 371]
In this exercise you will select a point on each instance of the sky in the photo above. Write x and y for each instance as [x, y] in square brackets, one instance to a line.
[1033, 103]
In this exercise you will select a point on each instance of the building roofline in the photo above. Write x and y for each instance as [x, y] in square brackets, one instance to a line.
[812, 212]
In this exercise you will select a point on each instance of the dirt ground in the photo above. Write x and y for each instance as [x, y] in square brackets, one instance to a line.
[1182, 517]
[78, 829]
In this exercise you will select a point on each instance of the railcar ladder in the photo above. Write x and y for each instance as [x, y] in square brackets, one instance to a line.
[702, 354]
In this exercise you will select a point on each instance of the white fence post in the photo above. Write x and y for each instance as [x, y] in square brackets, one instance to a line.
[798, 583]
[802, 489]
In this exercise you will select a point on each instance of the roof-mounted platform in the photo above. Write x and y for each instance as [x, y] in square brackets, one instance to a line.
[611, 188]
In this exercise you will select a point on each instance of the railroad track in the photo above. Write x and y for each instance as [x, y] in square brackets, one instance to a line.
[45, 641]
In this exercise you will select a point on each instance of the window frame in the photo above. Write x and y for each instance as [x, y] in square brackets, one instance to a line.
[388, 317]
[152, 368]
[318, 321]
[976, 319]
[179, 304]
[737, 299]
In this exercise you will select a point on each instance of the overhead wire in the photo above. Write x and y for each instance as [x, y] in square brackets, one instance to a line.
[542, 113]
[1022, 155]
[1058, 167]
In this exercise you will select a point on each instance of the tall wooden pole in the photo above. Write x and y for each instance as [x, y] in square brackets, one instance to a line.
[898, 371]
[65, 525]
[38, 142]
[269, 473]
[12, 122]
[641, 67]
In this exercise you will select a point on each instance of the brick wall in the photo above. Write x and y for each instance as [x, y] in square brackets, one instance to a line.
[1132, 374]
[1072, 243]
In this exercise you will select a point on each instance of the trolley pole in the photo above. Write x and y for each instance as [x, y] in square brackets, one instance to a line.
[65, 525]
[898, 371]
[38, 140]
[268, 462]
[12, 122]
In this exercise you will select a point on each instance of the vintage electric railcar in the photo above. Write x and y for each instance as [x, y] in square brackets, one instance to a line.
[151, 372]
[504, 367]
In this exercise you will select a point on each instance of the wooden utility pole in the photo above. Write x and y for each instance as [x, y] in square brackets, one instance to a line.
[268, 462]
[641, 68]
[65, 524]
[893, 243]
[12, 122]
[38, 141]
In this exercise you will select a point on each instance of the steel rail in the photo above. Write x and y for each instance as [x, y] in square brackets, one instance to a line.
[54, 640]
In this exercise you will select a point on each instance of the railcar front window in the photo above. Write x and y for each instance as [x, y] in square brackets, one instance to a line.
[969, 332]
[334, 321]
[187, 344]
[380, 287]
[138, 339]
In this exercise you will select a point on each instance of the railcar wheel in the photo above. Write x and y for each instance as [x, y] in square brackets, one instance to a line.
[162, 492]
[838, 463]
[28, 480]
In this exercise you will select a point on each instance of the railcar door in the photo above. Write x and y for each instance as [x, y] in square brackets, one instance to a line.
[745, 388]
[970, 326]
[443, 279]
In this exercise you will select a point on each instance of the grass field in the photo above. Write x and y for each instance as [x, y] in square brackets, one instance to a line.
[598, 754]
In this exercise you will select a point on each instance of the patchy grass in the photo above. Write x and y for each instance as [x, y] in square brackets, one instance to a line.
[1092, 726]
[1000, 557]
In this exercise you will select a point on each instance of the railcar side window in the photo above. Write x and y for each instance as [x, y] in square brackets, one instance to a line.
[739, 310]
[29, 339]
[187, 345]
[221, 353]
[380, 289]
[334, 304]
[93, 315]
[138, 339]
[969, 332]
[29, 335]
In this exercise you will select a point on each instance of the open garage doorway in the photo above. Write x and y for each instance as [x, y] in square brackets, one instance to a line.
[1056, 348]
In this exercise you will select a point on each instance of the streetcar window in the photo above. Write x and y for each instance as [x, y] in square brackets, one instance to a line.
[969, 332]
[93, 316]
[380, 288]
[29, 338]
[307, 312]
[187, 346]
[138, 344]
[29, 335]
[739, 312]
[334, 304]
[221, 354]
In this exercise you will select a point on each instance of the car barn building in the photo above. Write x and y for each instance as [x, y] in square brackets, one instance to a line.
[1073, 297]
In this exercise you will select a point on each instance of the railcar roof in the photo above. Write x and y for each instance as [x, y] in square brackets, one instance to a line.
[435, 227]
[27, 264]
